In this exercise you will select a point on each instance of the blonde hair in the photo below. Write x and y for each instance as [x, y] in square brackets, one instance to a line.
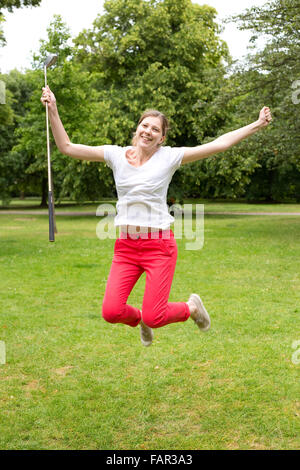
[153, 112]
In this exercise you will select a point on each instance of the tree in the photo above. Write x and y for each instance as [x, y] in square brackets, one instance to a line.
[273, 73]
[140, 54]
[2, 38]
[77, 101]
[15, 180]
[11, 4]
[154, 53]
[157, 54]
[7, 166]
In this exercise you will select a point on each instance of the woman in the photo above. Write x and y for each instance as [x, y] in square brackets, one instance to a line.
[142, 173]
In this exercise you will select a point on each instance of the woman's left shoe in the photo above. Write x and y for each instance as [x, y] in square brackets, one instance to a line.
[146, 334]
[200, 316]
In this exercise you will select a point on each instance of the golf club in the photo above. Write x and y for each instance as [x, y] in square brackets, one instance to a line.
[50, 60]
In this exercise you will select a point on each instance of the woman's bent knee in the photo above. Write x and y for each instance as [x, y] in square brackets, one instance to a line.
[111, 315]
[152, 320]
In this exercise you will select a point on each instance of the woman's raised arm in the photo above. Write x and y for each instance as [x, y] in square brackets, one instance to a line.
[65, 146]
[224, 142]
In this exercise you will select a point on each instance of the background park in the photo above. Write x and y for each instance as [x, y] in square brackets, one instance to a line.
[71, 381]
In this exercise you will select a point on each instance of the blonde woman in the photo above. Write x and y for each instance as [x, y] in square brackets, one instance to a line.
[142, 173]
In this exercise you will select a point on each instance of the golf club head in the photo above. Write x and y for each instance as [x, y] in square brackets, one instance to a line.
[50, 60]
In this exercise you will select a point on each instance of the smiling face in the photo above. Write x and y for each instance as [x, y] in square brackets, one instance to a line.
[149, 133]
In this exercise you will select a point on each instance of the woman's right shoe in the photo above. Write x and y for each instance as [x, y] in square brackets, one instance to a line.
[200, 317]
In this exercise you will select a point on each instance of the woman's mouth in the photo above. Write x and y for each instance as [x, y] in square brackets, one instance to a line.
[145, 139]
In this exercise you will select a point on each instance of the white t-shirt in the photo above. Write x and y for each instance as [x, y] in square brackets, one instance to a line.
[142, 191]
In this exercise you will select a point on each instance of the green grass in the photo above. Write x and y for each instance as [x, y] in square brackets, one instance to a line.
[73, 381]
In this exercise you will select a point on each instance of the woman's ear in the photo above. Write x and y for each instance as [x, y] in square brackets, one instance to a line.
[162, 139]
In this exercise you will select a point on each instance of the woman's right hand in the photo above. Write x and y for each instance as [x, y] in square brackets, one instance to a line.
[48, 97]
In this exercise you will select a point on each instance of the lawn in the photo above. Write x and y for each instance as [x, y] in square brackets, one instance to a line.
[73, 381]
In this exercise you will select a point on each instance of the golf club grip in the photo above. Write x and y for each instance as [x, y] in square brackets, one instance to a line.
[51, 217]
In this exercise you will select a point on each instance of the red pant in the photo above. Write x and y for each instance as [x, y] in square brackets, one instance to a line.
[134, 255]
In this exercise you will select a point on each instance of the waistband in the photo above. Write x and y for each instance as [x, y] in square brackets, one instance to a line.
[150, 234]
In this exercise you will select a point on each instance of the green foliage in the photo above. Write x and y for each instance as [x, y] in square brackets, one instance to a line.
[58, 42]
[78, 104]
[271, 77]
[140, 54]
[2, 38]
[156, 54]
[159, 54]
[12, 165]
[166, 55]
[11, 4]
[7, 167]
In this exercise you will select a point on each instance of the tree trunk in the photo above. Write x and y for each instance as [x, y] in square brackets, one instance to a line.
[44, 193]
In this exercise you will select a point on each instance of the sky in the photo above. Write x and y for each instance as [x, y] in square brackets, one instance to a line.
[25, 27]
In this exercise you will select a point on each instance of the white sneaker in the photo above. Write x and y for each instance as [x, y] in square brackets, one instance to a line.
[146, 334]
[200, 317]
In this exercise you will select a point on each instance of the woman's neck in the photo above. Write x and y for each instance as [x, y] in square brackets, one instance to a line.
[143, 154]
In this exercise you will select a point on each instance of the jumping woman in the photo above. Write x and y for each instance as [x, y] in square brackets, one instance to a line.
[142, 174]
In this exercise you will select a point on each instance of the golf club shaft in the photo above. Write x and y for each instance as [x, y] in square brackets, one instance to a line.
[50, 195]
[51, 216]
[48, 140]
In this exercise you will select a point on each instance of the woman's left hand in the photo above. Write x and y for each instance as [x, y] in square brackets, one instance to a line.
[265, 116]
